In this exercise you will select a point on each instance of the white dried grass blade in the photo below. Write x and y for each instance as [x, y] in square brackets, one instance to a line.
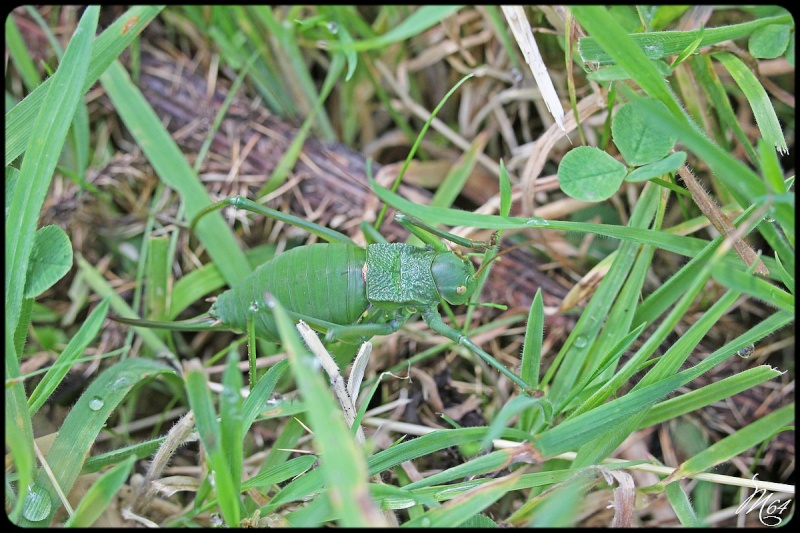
[336, 379]
[357, 371]
[521, 29]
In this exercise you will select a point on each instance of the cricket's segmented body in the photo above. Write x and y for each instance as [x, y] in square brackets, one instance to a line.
[320, 280]
[343, 284]
[347, 292]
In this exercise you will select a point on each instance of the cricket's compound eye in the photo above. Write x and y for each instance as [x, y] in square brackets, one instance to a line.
[454, 277]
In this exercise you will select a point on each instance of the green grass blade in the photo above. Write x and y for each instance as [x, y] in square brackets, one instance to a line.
[63, 363]
[174, 170]
[505, 191]
[209, 429]
[288, 470]
[532, 347]
[758, 99]
[107, 47]
[394, 456]
[99, 285]
[677, 354]
[467, 505]
[289, 54]
[158, 270]
[100, 495]
[580, 430]
[415, 146]
[680, 503]
[454, 182]
[432, 442]
[599, 23]
[713, 392]
[517, 405]
[712, 86]
[286, 441]
[676, 286]
[53, 120]
[755, 287]
[605, 412]
[666, 43]
[18, 52]
[686, 246]
[231, 419]
[259, 395]
[786, 277]
[770, 167]
[573, 433]
[611, 357]
[391, 497]
[577, 353]
[19, 435]
[79, 432]
[419, 21]
[140, 450]
[731, 446]
[342, 463]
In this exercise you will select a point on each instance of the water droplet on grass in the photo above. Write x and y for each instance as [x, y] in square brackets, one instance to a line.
[537, 222]
[746, 352]
[96, 403]
[37, 505]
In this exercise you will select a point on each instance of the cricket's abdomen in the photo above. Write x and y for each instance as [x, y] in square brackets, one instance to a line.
[322, 281]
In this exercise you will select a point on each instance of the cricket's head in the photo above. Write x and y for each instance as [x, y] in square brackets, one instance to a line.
[454, 277]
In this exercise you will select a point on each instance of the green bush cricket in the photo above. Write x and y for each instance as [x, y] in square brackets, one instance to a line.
[344, 291]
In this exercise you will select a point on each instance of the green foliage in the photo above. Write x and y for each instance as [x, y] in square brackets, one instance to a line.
[277, 452]
[101, 494]
[51, 259]
[770, 41]
[656, 45]
[588, 173]
[656, 169]
[223, 449]
[79, 432]
[640, 141]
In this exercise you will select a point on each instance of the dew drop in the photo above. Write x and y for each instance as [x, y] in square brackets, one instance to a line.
[120, 383]
[96, 403]
[253, 307]
[333, 27]
[746, 352]
[216, 521]
[654, 50]
[580, 341]
[37, 505]
[537, 222]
